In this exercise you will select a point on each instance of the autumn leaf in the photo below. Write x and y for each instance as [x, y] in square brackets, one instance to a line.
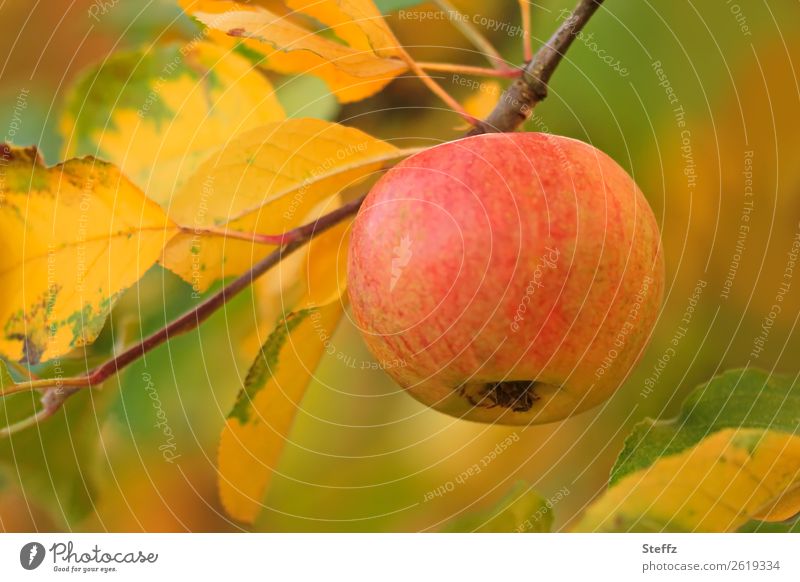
[718, 485]
[266, 181]
[76, 236]
[363, 59]
[736, 399]
[521, 510]
[161, 111]
[261, 419]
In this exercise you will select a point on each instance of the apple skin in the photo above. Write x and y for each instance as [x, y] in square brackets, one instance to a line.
[508, 278]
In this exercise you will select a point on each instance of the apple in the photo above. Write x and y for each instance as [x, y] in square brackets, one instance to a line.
[509, 278]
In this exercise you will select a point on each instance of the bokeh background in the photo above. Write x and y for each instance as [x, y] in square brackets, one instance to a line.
[698, 100]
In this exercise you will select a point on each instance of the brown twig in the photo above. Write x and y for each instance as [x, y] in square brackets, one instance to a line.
[521, 96]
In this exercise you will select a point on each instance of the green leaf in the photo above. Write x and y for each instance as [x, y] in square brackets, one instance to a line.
[735, 399]
[521, 510]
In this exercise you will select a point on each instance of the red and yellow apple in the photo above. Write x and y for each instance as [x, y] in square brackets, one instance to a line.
[510, 278]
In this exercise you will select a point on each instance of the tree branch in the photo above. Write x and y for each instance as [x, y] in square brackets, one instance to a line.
[521, 97]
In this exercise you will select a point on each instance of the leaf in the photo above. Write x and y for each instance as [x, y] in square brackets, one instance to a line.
[161, 111]
[307, 96]
[261, 419]
[75, 237]
[735, 399]
[266, 181]
[364, 62]
[259, 424]
[481, 103]
[790, 526]
[6, 380]
[521, 510]
[718, 485]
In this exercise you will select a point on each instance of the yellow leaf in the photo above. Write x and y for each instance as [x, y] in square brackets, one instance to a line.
[266, 181]
[259, 424]
[160, 112]
[366, 60]
[74, 237]
[718, 485]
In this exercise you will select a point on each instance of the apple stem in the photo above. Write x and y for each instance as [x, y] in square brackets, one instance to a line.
[521, 97]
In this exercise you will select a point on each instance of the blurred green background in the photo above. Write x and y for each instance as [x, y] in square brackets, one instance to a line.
[363, 455]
